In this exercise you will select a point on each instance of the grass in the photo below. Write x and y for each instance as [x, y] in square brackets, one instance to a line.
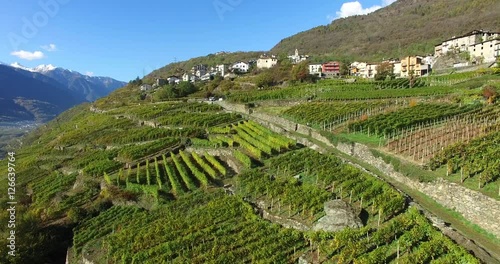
[275, 110]
[371, 141]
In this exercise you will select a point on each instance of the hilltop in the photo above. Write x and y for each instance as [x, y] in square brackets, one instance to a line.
[406, 27]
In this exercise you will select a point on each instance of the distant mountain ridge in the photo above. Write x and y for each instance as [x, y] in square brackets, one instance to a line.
[406, 27]
[31, 96]
[40, 93]
[89, 88]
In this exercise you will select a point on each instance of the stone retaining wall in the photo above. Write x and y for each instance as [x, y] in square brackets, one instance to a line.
[474, 206]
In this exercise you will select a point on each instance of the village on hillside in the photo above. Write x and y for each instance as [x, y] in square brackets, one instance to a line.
[476, 49]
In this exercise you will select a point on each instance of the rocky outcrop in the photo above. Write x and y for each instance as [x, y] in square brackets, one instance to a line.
[339, 215]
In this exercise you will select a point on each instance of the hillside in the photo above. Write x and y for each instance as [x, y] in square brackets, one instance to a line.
[147, 181]
[406, 27]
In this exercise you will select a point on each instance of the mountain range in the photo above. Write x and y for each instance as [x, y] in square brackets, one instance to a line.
[40, 93]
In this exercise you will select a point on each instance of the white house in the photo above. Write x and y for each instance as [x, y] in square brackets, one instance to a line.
[201, 67]
[200, 72]
[397, 69]
[221, 68]
[462, 43]
[173, 80]
[266, 62]
[487, 51]
[146, 87]
[186, 77]
[193, 78]
[315, 69]
[241, 66]
[205, 77]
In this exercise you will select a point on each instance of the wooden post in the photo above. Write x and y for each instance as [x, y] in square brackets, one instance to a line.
[398, 251]
[461, 175]
[379, 214]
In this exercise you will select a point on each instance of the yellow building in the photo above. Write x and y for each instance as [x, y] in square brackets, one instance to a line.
[415, 65]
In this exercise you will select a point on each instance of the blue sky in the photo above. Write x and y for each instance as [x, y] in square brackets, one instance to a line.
[130, 38]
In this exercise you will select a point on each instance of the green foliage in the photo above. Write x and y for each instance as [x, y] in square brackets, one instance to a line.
[300, 72]
[200, 176]
[386, 124]
[188, 181]
[165, 92]
[172, 177]
[324, 114]
[335, 90]
[243, 158]
[478, 158]
[384, 72]
[99, 167]
[264, 79]
[133, 152]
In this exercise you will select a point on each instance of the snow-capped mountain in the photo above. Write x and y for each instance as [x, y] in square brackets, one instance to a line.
[32, 96]
[89, 88]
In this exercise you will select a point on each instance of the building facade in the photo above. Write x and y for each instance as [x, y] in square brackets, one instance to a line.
[414, 65]
[315, 69]
[487, 51]
[266, 62]
[462, 43]
[241, 67]
[331, 69]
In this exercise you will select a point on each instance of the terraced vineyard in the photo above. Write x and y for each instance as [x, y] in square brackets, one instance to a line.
[327, 115]
[251, 139]
[176, 174]
[206, 227]
[422, 144]
[394, 123]
[224, 230]
[336, 92]
[187, 182]
[323, 178]
[479, 158]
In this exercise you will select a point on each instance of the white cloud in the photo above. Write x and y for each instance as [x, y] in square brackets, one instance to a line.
[356, 8]
[50, 47]
[89, 73]
[27, 55]
[387, 2]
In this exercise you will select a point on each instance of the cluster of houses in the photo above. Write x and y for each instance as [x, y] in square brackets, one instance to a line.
[481, 47]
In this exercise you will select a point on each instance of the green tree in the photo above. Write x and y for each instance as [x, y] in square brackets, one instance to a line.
[300, 72]
[264, 79]
[384, 71]
[186, 88]
[344, 67]
[166, 92]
